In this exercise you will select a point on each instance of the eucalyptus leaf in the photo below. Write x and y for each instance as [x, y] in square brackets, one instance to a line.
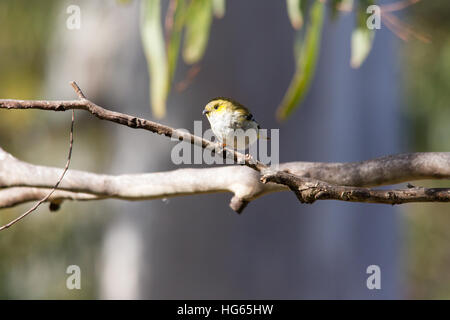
[294, 8]
[362, 40]
[362, 36]
[154, 49]
[198, 23]
[173, 47]
[306, 62]
[219, 8]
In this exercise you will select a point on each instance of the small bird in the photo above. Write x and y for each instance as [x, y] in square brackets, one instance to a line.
[226, 116]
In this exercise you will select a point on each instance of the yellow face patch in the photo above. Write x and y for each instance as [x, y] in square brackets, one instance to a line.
[217, 106]
[220, 107]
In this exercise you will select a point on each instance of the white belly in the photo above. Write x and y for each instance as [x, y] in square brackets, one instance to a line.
[227, 131]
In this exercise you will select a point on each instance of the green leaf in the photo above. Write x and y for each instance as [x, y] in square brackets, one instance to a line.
[362, 36]
[306, 63]
[362, 40]
[294, 8]
[173, 47]
[154, 49]
[219, 8]
[198, 23]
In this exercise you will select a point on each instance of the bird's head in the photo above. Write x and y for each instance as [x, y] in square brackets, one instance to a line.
[218, 106]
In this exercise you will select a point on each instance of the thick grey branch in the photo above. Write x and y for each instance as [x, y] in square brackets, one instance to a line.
[23, 182]
[381, 171]
[242, 181]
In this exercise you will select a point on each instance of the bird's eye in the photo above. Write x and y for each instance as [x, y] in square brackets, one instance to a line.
[216, 106]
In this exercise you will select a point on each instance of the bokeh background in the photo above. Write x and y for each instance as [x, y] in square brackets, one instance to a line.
[196, 247]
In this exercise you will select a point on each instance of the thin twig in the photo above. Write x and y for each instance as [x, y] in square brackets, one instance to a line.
[391, 7]
[78, 90]
[399, 28]
[9, 224]
[391, 26]
[397, 6]
[402, 29]
[132, 122]
[186, 82]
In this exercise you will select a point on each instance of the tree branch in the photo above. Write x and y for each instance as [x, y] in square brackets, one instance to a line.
[12, 197]
[242, 181]
[309, 190]
[385, 170]
[24, 182]
[130, 121]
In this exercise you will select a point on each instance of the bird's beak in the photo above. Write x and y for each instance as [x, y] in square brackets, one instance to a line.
[205, 112]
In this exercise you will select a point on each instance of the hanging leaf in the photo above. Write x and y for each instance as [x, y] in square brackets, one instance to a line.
[306, 63]
[198, 22]
[294, 8]
[154, 49]
[362, 36]
[219, 8]
[362, 39]
[174, 41]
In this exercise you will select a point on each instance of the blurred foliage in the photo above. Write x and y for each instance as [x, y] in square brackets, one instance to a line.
[294, 8]
[219, 8]
[23, 46]
[22, 52]
[427, 96]
[427, 76]
[306, 63]
[173, 47]
[35, 254]
[197, 24]
[154, 48]
[195, 17]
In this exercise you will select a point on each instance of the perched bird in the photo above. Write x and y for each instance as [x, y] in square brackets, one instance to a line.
[226, 117]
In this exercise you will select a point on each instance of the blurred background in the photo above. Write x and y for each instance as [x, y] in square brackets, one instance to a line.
[196, 247]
